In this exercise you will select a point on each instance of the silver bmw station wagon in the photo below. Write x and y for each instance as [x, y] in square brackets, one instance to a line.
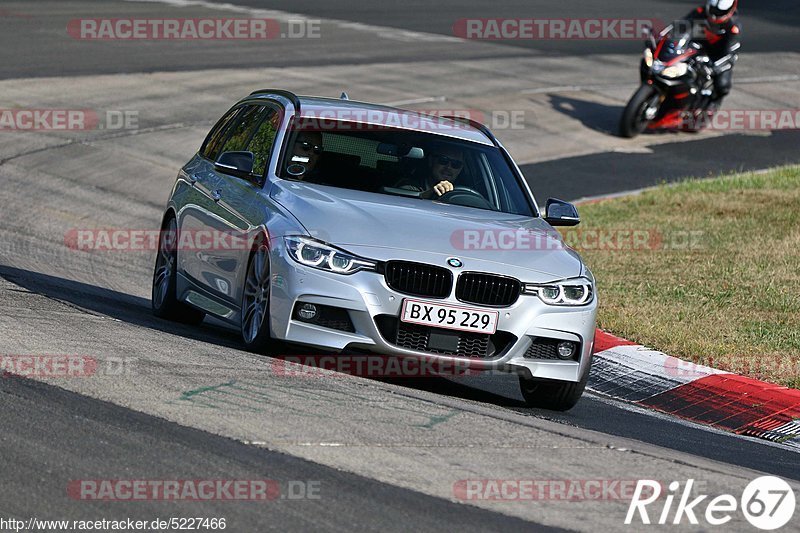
[349, 227]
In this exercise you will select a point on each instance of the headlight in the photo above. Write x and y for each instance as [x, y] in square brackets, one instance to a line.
[648, 57]
[319, 255]
[675, 71]
[578, 291]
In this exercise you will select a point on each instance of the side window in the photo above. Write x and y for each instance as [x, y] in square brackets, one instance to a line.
[263, 139]
[244, 127]
[210, 148]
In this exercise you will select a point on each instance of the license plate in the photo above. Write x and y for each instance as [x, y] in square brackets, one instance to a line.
[449, 317]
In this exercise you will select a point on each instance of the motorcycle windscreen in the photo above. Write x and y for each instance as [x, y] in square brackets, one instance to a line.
[674, 44]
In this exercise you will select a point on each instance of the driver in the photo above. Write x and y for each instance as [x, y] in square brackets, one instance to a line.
[445, 164]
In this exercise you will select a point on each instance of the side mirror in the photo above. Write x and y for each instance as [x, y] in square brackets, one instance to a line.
[561, 213]
[238, 164]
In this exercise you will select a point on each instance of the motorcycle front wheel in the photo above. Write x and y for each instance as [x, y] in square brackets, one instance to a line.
[635, 116]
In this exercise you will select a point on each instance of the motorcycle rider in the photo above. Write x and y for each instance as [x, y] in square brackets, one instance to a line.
[707, 39]
[716, 28]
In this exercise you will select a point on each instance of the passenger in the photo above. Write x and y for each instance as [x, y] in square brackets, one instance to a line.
[308, 148]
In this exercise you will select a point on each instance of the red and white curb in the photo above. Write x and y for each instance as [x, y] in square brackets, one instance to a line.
[632, 373]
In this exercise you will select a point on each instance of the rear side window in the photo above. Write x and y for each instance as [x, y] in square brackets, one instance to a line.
[263, 139]
[210, 148]
[245, 125]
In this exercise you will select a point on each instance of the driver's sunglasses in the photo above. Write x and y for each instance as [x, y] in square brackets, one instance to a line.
[308, 147]
[443, 160]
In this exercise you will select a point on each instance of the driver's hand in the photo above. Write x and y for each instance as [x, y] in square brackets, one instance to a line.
[442, 187]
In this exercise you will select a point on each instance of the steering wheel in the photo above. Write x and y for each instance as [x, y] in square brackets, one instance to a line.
[466, 197]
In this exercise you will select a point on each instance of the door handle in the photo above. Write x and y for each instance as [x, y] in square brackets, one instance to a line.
[216, 195]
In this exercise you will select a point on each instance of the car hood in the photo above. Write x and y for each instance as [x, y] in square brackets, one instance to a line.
[384, 227]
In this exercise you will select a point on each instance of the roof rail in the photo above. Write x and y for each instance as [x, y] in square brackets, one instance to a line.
[289, 95]
[478, 126]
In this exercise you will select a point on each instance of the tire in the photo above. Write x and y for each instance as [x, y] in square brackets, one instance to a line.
[255, 300]
[551, 394]
[163, 298]
[633, 121]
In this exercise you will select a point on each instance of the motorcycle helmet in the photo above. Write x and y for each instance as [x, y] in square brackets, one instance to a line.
[720, 11]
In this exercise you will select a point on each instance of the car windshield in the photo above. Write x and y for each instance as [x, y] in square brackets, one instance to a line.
[405, 163]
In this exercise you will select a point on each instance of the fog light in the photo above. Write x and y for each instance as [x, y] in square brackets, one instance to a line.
[307, 311]
[566, 349]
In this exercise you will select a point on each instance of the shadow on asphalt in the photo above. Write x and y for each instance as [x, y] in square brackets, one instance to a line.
[463, 391]
[593, 115]
[124, 307]
[572, 178]
[135, 310]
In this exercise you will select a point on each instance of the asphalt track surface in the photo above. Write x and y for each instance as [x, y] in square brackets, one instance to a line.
[770, 25]
[593, 412]
[675, 161]
[129, 439]
[104, 430]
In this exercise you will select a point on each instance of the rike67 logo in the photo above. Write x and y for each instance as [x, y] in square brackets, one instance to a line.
[767, 502]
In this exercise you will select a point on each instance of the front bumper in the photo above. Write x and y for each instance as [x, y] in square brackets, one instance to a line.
[366, 297]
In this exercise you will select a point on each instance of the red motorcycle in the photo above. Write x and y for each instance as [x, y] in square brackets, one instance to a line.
[677, 91]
